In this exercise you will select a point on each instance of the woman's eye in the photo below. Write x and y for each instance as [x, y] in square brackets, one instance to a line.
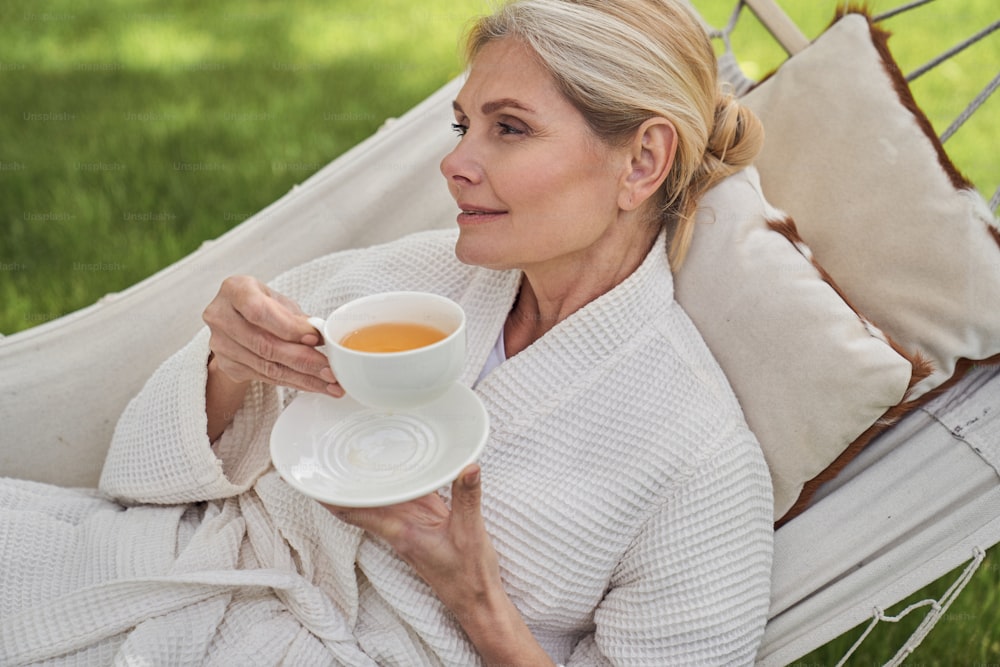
[503, 129]
[506, 128]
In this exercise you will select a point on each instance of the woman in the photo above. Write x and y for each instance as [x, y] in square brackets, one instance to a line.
[621, 511]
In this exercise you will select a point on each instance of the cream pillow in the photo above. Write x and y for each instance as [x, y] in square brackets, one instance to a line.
[811, 374]
[849, 156]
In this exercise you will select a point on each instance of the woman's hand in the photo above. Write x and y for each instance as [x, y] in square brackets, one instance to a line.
[449, 549]
[258, 334]
[452, 552]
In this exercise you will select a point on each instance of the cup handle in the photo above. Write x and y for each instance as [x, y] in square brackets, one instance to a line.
[319, 323]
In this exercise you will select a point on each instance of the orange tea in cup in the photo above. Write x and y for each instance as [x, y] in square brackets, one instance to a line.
[383, 355]
[392, 337]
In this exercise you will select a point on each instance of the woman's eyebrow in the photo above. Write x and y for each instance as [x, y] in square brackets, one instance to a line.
[495, 105]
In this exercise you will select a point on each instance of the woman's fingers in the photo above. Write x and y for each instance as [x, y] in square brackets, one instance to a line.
[258, 334]
[270, 311]
[466, 499]
[241, 365]
[256, 304]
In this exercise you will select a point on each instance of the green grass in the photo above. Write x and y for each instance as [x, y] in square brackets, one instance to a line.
[131, 131]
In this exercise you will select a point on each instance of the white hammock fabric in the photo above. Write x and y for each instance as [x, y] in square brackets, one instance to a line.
[920, 501]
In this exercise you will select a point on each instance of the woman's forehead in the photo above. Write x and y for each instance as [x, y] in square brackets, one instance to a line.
[507, 73]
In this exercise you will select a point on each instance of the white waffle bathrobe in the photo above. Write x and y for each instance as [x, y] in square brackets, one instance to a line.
[629, 503]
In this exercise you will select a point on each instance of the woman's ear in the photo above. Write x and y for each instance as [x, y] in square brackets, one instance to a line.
[652, 155]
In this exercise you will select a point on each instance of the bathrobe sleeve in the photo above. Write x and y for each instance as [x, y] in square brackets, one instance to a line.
[160, 452]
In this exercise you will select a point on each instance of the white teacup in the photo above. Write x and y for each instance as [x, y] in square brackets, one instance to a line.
[395, 380]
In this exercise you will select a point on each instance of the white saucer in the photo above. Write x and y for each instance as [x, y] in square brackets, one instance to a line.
[343, 453]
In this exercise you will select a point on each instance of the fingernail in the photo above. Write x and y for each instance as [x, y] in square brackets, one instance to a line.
[472, 478]
[335, 390]
[327, 374]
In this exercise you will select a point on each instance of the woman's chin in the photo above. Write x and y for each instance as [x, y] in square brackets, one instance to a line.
[480, 252]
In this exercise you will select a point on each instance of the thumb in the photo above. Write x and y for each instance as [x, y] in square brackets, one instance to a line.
[466, 494]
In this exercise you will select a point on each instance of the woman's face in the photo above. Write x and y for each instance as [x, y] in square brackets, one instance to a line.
[534, 184]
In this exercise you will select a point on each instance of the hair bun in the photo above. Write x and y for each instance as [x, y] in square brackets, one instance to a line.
[737, 135]
[736, 138]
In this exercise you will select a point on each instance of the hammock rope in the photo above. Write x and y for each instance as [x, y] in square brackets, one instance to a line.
[729, 67]
[958, 48]
[899, 10]
[938, 609]
[971, 109]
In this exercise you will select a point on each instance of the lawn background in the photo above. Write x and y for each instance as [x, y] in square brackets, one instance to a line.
[132, 131]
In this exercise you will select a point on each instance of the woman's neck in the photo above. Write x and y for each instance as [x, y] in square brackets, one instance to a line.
[551, 293]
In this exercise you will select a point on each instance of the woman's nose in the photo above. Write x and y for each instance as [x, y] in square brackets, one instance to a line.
[460, 167]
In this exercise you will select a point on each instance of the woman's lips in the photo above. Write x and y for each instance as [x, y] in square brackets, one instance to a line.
[474, 215]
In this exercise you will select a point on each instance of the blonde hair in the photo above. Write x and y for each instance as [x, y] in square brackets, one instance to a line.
[622, 62]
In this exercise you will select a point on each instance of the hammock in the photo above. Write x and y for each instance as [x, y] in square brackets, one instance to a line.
[919, 501]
